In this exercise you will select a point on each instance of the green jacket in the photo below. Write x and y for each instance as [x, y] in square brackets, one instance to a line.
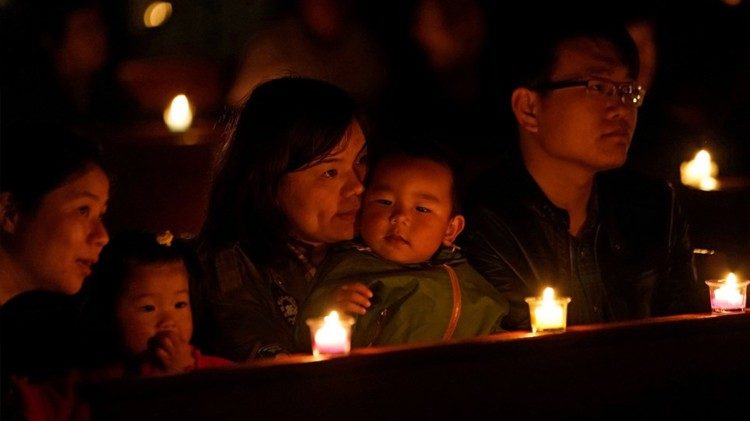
[411, 303]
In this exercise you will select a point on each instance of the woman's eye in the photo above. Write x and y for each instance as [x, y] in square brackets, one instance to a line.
[331, 173]
[384, 202]
[84, 210]
[181, 304]
[148, 308]
[422, 209]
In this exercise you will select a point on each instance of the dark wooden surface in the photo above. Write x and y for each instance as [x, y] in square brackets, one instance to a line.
[697, 365]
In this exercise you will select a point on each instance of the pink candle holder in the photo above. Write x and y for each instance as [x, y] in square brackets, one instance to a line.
[728, 295]
[331, 335]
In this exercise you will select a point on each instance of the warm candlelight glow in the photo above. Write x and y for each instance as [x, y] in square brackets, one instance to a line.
[331, 336]
[700, 172]
[549, 312]
[728, 295]
[157, 13]
[178, 116]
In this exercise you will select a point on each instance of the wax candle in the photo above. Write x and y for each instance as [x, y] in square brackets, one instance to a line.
[548, 313]
[728, 295]
[330, 335]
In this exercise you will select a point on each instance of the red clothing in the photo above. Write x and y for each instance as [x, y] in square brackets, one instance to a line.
[58, 400]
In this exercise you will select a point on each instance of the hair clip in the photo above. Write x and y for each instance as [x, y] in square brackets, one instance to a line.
[165, 238]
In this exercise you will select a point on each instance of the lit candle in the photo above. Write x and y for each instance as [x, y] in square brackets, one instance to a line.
[700, 172]
[331, 335]
[728, 295]
[178, 116]
[548, 313]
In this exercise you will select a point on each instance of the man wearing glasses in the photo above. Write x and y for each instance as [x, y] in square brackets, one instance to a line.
[560, 212]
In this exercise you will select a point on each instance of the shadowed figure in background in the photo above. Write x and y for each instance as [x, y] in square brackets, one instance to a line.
[59, 64]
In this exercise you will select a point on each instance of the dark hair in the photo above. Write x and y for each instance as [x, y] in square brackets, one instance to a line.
[421, 148]
[126, 251]
[538, 52]
[287, 124]
[38, 158]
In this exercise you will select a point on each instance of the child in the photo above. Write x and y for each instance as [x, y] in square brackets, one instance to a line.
[414, 286]
[141, 321]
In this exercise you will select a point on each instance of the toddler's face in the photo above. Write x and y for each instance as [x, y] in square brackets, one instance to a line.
[156, 298]
[407, 209]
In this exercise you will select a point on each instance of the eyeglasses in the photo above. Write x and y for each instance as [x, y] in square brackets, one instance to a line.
[629, 93]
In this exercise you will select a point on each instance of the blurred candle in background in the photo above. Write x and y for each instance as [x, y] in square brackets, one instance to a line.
[179, 115]
[700, 172]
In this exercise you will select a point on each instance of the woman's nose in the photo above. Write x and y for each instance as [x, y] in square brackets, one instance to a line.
[99, 234]
[354, 185]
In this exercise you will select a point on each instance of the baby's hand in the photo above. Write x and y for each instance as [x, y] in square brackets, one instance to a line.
[172, 352]
[352, 298]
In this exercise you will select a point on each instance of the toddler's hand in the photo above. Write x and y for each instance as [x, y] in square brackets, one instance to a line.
[172, 352]
[352, 298]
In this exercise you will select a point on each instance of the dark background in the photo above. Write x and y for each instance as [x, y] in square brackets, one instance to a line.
[699, 96]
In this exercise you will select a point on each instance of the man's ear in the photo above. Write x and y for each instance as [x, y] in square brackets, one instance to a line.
[8, 213]
[455, 226]
[525, 104]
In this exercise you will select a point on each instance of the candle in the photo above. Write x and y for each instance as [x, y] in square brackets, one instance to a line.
[179, 115]
[728, 295]
[330, 334]
[700, 172]
[548, 313]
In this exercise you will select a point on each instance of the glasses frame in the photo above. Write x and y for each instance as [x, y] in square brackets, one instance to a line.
[629, 92]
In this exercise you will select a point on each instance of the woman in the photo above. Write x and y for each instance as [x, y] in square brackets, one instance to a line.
[288, 186]
[53, 194]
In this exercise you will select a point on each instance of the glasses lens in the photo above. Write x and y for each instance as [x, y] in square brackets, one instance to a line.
[633, 95]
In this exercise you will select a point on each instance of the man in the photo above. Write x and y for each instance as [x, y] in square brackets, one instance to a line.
[560, 213]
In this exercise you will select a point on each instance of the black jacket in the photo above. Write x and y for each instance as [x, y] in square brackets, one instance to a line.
[641, 244]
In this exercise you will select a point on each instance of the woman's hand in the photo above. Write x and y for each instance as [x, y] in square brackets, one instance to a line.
[172, 352]
[352, 298]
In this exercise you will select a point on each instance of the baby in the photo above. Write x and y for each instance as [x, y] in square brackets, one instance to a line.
[414, 285]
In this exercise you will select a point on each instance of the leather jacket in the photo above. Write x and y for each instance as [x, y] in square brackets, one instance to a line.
[641, 244]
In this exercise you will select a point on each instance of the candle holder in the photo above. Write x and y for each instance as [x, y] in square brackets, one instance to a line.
[728, 295]
[331, 335]
[548, 313]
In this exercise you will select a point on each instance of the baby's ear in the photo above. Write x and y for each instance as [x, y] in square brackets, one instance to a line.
[8, 213]
[455, 226]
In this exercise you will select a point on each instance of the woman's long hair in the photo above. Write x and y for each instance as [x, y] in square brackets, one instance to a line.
[286, 124]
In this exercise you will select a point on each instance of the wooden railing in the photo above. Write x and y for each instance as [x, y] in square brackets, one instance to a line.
[693, 364]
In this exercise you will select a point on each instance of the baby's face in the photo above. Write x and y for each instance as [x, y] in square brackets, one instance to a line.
[406, 213]
[156, 298]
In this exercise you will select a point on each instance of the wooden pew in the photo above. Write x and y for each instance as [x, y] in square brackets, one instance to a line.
[696, 365]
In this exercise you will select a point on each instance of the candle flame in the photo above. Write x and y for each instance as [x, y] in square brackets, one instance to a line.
[157, 13]
[700, 172]
[178, 116]
[548, 294]
[731, 279]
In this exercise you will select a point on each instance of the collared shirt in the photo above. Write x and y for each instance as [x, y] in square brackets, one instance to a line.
[578, 274]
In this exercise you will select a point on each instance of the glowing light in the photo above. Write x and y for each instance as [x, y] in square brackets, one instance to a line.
[332, 335]
[157, 13]
[700, 172]
[727, 295]
[548, 313]
[179, 115]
